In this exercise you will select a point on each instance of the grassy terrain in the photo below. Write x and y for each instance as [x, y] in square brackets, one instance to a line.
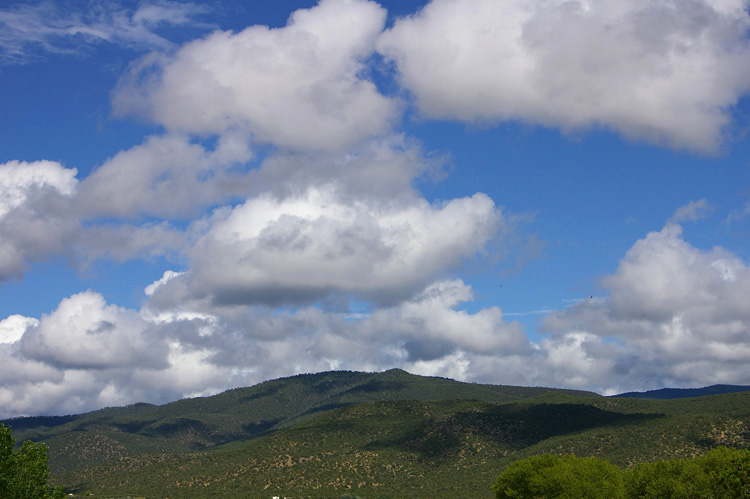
[387, 434]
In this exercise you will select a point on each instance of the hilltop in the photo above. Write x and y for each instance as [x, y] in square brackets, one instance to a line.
[678, 393]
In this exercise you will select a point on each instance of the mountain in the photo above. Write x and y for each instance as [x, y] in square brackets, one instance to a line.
[390, 434]
[677, 393]
[240, 414]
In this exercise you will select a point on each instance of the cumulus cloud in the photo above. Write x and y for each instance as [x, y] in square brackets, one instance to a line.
[87, 353]
[12, 328]
[34, 198]
[644, 69]
[22, 181]
[123, 242]
[432, 328]
[381, 169]
[314, 245]
[167, 177]
[299, 86]
[86, 333]
[678, 313]
[685, 324]
[46, 212]
[27, 29]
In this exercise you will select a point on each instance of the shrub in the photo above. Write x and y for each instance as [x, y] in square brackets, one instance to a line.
[672, 479]
[555, 477]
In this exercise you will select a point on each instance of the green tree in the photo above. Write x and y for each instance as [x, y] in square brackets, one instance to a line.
[24, 472]
[556, 477]
[671, 479]
[729, 471]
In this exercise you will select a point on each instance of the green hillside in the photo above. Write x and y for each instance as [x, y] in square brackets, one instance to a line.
[388, 434]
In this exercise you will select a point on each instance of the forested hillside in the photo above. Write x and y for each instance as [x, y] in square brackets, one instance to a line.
[371, 435]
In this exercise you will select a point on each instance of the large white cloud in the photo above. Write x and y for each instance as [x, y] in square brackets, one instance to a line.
[383, 169]
[299, 86]
[166, 176]
[35, 198]
[22, 181]
[430, 327]
[46, 212]
[12, 328]
[86, 333]
[665, 71]
[317, 244]
[87, 354]
[674, 315]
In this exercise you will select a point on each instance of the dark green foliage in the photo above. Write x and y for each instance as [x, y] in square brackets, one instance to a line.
[671, 479]
[24, 472]
[560, 477]
[721, 474]
[729, 472]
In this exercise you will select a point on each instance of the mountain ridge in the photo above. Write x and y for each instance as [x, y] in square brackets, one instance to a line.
[675, 393]
[369, 434]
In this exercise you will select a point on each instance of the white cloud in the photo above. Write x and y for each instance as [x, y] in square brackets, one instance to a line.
[662, 276]
[46, 212]
[26, 29]
[317, 244]
[34, 200]
[168, 275]
[437, 329]
[87, 354]
[86, 333]
[298, 87]
[22, 181]
[674, 315]
[679, 316]
[166, 176]
[123, 242]
[381, 169]
[13, 327]
[645, 69]
[694, 210]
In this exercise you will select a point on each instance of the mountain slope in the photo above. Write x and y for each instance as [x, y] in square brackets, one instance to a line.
[426, 449]
[239, 414]
[369, 434]
[676, 393]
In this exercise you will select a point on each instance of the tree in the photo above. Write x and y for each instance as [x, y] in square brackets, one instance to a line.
[560, 477]
[729, 470]
[671, 479]
[721, 474]
[24, 472]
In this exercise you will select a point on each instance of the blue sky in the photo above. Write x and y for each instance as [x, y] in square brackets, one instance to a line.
[198, 196]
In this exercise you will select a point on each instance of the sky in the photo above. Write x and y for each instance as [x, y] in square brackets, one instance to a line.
[196, 196]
